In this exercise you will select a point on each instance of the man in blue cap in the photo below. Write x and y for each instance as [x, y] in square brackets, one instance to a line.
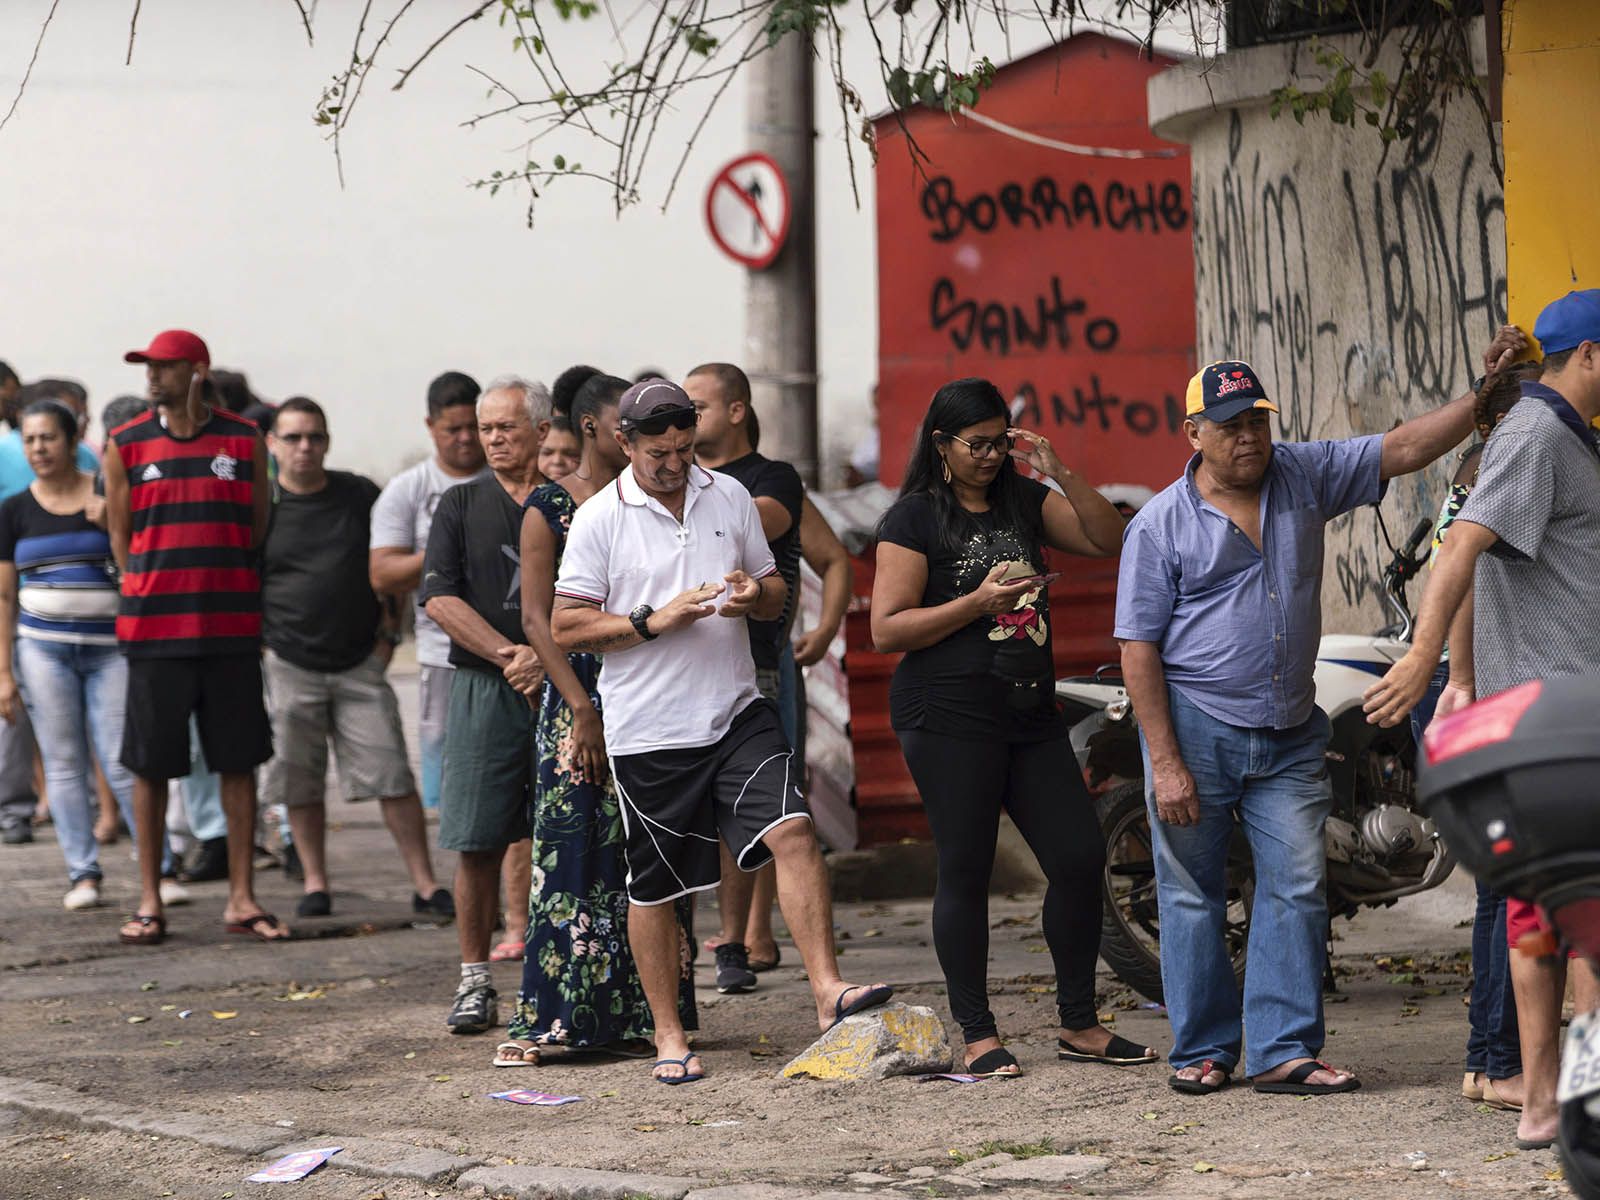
[1525, 552]
[1219, 612]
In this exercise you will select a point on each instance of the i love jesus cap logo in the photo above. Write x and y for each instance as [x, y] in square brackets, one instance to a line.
[1223, 390]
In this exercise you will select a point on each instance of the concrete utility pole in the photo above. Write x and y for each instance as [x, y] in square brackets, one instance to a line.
[781, 301]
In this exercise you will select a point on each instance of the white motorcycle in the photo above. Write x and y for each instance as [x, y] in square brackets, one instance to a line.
[1379, 846]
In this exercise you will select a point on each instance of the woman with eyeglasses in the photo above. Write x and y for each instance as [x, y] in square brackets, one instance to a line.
[580, 987]
[962, 590]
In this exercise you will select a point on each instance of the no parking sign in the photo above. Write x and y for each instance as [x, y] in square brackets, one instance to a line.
[748, 210]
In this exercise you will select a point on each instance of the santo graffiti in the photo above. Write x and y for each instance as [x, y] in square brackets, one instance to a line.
[1139, 207]
[1049, 318]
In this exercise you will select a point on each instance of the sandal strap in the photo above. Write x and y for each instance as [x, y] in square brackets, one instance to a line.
[991, 1060]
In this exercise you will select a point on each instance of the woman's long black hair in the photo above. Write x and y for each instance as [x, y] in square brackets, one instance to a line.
[959, 405]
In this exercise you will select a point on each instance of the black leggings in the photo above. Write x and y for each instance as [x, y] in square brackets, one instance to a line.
[964, 784]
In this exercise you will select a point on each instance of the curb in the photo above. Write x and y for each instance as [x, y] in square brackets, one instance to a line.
[361, 1155]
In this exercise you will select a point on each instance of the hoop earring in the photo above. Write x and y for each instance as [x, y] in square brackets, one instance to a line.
[946, 463]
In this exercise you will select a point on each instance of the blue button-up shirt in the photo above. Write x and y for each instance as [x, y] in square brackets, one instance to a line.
[1238, 627]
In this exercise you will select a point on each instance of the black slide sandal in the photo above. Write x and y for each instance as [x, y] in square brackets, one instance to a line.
[987, 1065]
[1119, 1052]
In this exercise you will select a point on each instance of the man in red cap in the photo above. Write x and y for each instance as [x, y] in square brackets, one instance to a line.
[187, 502]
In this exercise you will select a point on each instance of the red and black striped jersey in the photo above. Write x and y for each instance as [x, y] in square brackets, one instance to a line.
[192, 586]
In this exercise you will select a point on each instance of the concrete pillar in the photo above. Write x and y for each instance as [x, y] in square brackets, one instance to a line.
[781, 301]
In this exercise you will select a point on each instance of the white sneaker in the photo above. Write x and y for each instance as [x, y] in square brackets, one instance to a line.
[84, 894]
[173, 892]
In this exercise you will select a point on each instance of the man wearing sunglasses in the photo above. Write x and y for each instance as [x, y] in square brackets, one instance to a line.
[659, 573]
[329, 642]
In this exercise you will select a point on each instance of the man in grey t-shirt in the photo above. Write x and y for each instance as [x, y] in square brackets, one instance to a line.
[400, 522]
[1527, 544]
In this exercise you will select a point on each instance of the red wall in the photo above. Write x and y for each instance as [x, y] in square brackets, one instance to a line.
[1067, 278]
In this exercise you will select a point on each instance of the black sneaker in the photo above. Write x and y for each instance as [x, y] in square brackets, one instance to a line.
[734, 975]
[210, 862]
[475, 1009]
[314, 904]
[440, 904]
[19, 834]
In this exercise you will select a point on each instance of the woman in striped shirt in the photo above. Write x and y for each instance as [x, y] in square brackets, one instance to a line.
[58, 639]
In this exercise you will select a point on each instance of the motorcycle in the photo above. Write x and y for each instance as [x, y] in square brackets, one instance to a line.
[1380, 848]
[1510, 780]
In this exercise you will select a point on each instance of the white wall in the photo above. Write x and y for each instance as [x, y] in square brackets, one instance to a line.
[1364, 293]
[192, 189]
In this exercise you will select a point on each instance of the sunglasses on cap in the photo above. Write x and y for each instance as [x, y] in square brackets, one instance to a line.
[660, 421]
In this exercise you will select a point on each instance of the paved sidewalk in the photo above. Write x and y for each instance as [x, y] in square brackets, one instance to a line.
[339, 1039]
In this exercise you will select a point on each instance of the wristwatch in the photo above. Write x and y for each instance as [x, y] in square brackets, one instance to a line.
[641, 618]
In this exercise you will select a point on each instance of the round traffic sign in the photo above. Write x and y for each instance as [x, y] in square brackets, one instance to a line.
[748, 210]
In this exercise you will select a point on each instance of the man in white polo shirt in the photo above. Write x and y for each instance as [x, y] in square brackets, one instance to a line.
[695, 751]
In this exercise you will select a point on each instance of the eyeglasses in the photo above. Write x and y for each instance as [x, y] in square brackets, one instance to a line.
[656, 423]
[985, 447]
[294, 439]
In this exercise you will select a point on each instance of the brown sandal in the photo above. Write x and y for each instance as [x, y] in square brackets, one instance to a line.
[149, 931]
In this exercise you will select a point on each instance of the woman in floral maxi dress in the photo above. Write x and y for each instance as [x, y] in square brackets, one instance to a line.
[580, 988]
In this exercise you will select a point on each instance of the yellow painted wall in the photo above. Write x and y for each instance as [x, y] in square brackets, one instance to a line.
[1551, 132]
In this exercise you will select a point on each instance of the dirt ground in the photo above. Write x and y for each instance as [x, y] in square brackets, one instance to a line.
[343, 1035]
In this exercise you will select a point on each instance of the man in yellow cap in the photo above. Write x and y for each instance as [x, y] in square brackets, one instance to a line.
[1219, 612]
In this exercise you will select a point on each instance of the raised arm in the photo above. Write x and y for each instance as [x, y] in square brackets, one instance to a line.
[1416, 443]
[1079, 520]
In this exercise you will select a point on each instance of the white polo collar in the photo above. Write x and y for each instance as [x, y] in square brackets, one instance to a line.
[631, 493]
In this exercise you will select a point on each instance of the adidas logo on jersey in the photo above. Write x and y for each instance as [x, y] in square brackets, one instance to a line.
[151, 472]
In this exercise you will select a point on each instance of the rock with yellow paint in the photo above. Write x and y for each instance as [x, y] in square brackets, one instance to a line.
[898, 1039]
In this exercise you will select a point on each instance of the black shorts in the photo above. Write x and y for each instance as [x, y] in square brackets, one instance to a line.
[223, 693]
[675, 802]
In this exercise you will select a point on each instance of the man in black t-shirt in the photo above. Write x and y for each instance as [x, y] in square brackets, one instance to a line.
[472, 586]
[723, 442]
[329, 641]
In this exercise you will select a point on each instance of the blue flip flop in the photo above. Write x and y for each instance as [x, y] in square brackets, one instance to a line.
[870, 998]
[687, 1076]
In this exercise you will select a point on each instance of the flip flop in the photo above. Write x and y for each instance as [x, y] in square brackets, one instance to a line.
[987, 1066]
[871, 998]
[152, 931]
[687, 1076]
[1119, 1052]
[508, 952]
[1535, 1143]
[522, 1051]
[252, 927]
[1199, 1087]
[1294, 1083]
[758, 965]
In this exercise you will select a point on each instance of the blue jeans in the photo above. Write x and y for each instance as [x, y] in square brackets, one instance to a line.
[77, 694]
[202, 792]
[1273, 783]
[1493, 1042]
